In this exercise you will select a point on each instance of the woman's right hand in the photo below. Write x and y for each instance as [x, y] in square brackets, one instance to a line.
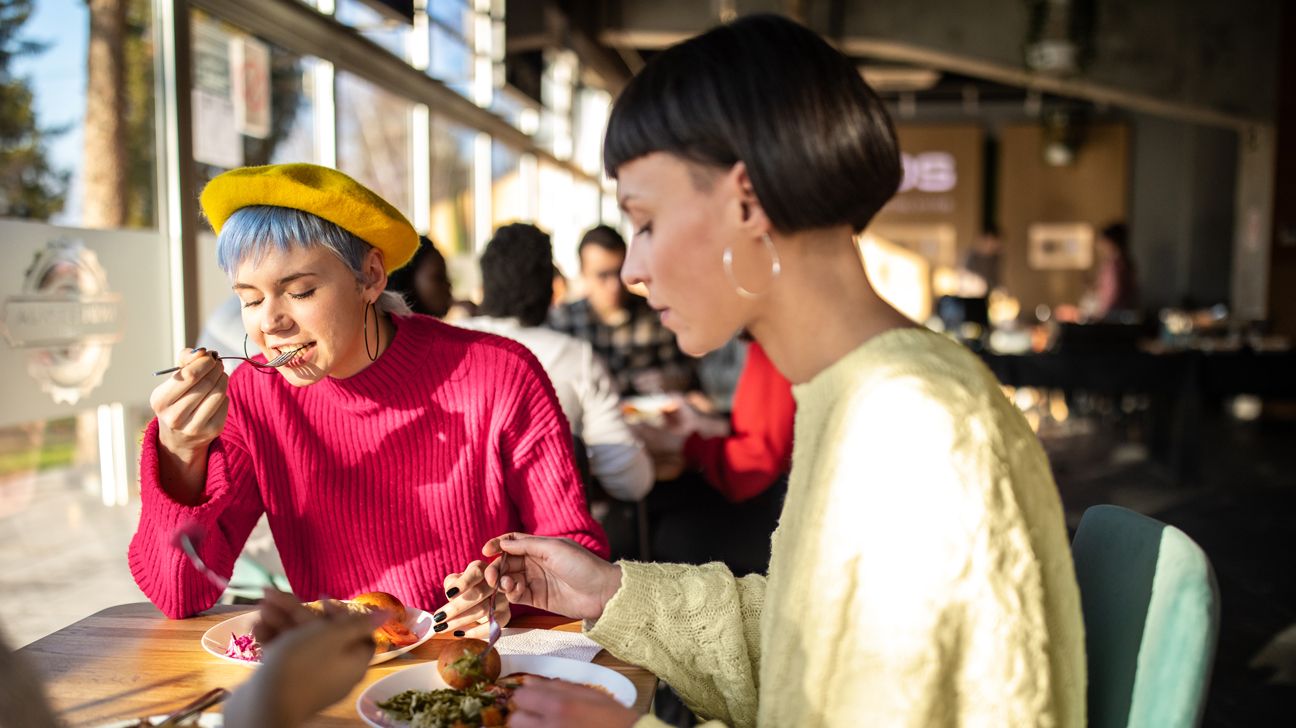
[191, 404]
[554, 574]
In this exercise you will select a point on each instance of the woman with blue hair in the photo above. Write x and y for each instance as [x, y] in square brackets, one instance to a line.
[383, 453]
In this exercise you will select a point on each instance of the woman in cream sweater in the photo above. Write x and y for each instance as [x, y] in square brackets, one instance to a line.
[921, 574]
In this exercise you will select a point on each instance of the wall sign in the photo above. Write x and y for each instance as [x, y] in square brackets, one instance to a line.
[67, 318]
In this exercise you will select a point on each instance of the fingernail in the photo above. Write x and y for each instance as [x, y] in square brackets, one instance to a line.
[439, 617]
[453, 591]
[458, 633]
[440, 628]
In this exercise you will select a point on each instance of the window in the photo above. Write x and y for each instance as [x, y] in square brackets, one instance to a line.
[451, 214]
[374, 136]
[63, 159]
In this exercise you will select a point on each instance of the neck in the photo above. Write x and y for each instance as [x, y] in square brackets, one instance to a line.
[823, 306]
[387, 331]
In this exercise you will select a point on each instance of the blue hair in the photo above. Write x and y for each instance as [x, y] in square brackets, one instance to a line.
[253, 232]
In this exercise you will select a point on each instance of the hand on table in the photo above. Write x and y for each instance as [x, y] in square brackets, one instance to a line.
[308, 662]
[554, 574]
[466, 611]
[556, 703]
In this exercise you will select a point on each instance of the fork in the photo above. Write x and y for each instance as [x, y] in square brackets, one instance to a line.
[494, 628]
[203, 702]
[276, 362]
[183, 539]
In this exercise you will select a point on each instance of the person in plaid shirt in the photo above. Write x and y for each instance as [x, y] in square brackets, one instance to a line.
[640, 353]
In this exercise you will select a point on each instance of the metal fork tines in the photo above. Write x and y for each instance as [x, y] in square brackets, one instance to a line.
[276, 362]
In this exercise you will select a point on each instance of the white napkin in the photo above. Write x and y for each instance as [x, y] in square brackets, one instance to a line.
[572, 645]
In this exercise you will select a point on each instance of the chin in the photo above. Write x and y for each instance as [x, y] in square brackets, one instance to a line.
[302, 376]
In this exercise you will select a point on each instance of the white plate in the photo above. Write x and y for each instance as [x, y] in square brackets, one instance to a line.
[424, 676]
[646, 408]
[205, 720]
[216, 639]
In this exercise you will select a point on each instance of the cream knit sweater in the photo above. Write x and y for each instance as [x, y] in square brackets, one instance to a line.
[921, 574]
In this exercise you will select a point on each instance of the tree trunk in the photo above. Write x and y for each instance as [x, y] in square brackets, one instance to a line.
[105, 121]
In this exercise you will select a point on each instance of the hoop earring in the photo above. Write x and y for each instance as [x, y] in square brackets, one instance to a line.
[245, 354]
[775, 268]
[373, 355]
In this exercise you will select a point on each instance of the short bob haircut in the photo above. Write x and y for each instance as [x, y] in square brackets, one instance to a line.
[518, 274]
[818, 144]
[254, 231]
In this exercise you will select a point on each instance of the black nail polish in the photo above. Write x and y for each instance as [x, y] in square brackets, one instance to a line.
[440, 627]
[458, 633]
[439, 617]
[453, 591]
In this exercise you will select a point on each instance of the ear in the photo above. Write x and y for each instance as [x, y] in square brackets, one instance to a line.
[374, 275]
[750, 214]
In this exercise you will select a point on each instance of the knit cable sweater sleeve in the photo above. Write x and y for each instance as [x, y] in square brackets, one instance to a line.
[230, 508]
[536, 449]
[695, 627]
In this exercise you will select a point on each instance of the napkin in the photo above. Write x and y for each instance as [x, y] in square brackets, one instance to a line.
[572, 645]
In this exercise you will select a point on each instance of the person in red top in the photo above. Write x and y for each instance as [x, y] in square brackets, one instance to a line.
[744, 459]
[757, 449]
[383, 454]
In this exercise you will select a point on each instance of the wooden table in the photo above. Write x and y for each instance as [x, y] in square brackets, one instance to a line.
[130, 661]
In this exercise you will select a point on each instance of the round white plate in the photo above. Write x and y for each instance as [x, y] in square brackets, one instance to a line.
[216, 639]
[424, 676]
[205, 720]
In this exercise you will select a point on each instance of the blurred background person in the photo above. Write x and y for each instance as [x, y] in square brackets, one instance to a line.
[1115, 288]
[984, 258]
[517, 288]
[559, 287]
[726, 504]
[425, 284]
[624, 330]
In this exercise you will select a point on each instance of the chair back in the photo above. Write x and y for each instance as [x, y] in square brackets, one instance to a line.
[1151, 614]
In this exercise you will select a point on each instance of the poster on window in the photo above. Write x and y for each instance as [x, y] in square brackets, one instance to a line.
[250, 76]
[1060, 246]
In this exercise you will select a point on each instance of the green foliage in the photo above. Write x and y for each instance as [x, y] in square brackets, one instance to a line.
[29, 186]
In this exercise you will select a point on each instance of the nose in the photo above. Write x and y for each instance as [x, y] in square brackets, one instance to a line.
[274, 316]
[635, 268]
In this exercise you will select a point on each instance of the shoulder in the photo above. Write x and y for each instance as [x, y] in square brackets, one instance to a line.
[569, 314]
[907, 381]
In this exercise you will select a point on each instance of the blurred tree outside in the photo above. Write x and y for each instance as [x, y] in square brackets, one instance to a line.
[30, 187]
[120, 157]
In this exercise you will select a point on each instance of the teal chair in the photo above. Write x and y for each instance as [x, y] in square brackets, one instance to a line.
[1151, 613]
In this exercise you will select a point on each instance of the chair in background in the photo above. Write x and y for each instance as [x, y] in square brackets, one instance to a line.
[1151, 613]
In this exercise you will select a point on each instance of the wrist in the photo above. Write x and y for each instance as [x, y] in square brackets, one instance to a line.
[611, 585]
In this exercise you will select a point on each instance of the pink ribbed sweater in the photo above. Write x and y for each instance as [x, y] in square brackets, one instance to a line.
[387, 480]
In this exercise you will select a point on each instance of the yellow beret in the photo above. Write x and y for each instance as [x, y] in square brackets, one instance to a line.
[321, 191]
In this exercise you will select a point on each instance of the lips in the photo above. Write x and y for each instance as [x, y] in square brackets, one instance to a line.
[301, 350]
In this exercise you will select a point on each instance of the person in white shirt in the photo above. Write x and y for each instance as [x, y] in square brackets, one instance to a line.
[517, 290]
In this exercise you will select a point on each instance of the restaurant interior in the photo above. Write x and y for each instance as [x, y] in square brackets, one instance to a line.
[1098, 199]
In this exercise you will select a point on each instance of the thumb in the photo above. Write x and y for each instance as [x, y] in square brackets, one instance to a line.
[510, 543]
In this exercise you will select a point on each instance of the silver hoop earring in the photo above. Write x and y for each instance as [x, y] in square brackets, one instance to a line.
[775, 268]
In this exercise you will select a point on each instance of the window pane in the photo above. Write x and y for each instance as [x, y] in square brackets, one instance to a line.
[268, 116]
[387, 32]
[64, 159]
[509, 193]
[451, 218]
[455, 15]
[374, 139]
[451, 60]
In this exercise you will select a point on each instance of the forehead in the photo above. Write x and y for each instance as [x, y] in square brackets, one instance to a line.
[277, 263]
[594, 257]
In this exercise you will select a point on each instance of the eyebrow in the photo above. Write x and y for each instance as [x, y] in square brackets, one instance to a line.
[279, 283]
